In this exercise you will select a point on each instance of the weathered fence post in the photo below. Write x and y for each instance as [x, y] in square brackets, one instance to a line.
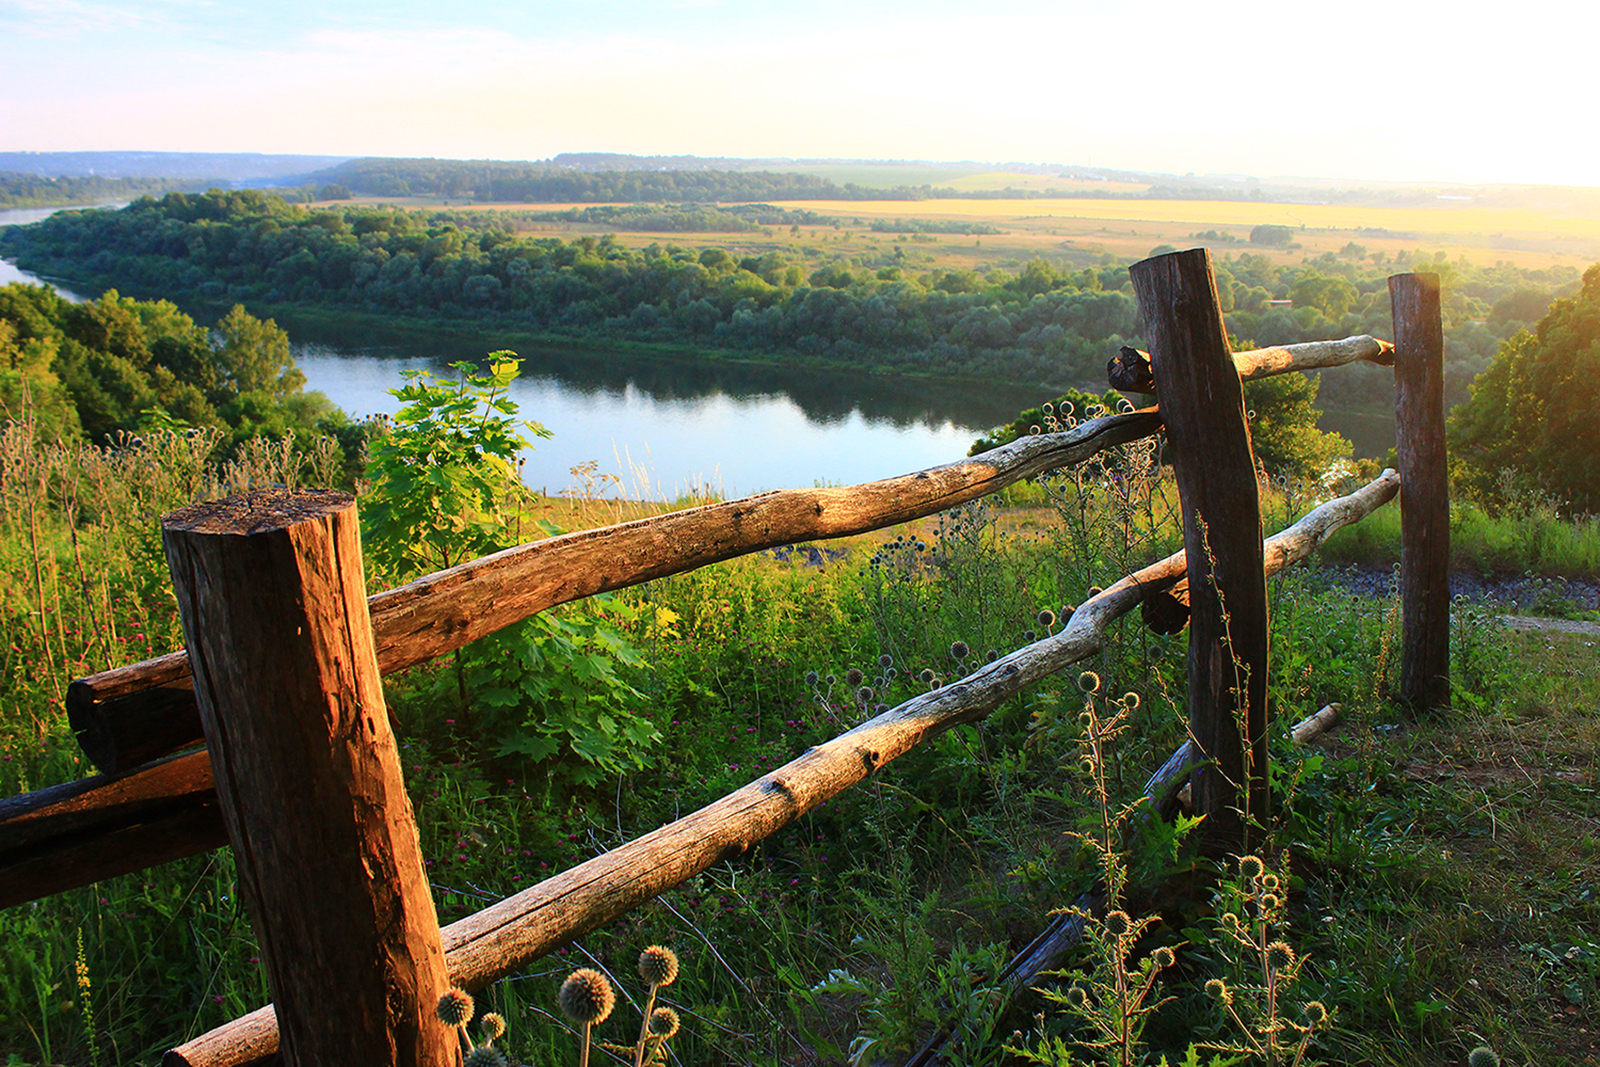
[1202, 405]
[271, 592]
[1424, 491]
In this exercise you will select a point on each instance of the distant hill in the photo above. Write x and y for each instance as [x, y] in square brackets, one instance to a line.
[232, 167]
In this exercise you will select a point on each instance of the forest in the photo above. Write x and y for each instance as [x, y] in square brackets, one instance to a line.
[879, 313]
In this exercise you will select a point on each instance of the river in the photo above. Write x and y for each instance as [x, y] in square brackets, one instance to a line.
[660, 428]
[664, 427]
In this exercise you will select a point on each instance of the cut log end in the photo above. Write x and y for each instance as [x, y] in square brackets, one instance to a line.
[257, 512]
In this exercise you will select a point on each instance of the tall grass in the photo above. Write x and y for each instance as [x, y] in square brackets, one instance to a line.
[862, 925]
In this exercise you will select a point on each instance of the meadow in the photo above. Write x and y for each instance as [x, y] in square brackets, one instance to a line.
[1076, 232]
[853, 933]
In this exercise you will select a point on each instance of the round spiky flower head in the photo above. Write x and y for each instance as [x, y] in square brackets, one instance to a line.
[1163, 957]
[1089, 682]
[991, 655]
[486, 1056]
[664, 1023]
[926, 675]
[492, 1026]
[1483, 1056]
[1218, 991]
[853, 677]
[586, 997]
[1316, 1013]
[886, 660]
[1280, 957]
[811, 677]
[1077, 998]
[1130, 700]
[864, 694]
[1270, 881]
[959, 650]
[455, 1008]
[1118, 923]
[658, 966]
[1251, 867]
[1047, 618]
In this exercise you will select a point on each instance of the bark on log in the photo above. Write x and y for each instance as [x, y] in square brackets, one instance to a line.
[270, 589]
[507, 935]
[1312, 727]
[1424, 492]
[1202, 407]
[1129, 370]
[56, 839]
[441, 612]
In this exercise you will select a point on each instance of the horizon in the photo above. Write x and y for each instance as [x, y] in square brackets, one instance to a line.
[1267, 93]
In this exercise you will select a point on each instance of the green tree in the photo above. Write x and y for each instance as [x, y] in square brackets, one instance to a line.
[1283, 426]
[1533, 411]
[1331, 296]
[252, 355]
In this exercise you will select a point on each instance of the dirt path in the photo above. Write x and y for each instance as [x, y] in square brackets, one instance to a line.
[1535, 622]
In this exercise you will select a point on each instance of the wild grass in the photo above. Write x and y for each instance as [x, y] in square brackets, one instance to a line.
[1441, 874]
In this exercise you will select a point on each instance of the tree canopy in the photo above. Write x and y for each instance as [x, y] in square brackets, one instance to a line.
[1533, 411]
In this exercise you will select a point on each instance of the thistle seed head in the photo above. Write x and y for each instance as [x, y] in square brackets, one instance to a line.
[1280, 957]
[959, 650]
[1251, 867]
[1163, 957]
[886, 660]
[486, 1056]
[586, 997]
[1077, 998]
[1483, 1056]
[664, 1023]
[1089, 682]
[492, 1026]
[1118, 923]
[1218, 991]
[1316, 1013]
[853, 677]
[1046, 618]
[864, 694]
[455, 1008]
[658, 966]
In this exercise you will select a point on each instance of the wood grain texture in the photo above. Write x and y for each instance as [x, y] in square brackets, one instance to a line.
[1130, 369]
[270, 589]
[509, 934]
[1424, 493]
[1202, 407]
[441, 612]
[56, 839]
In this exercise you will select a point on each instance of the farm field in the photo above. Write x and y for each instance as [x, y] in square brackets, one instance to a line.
[1078, 231]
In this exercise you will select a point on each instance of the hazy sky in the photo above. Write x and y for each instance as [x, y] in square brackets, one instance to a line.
[1383, 90]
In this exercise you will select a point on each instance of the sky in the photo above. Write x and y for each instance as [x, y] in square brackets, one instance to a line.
[1393, 90]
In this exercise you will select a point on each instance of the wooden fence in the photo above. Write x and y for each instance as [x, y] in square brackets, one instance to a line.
[280, 683]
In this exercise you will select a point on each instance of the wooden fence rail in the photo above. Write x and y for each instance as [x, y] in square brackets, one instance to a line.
[505, 936]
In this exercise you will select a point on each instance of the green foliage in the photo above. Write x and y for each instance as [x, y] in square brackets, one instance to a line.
[1065, 412]
[444, 490]
[442, 477]
[1283, 429]
[1271, 236]
[1532, 411]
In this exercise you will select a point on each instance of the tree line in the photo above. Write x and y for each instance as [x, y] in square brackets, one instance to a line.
[1040, 322]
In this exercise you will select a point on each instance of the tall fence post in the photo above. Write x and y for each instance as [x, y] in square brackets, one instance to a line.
[1202, 405]
[1424, 491]
[271, 592]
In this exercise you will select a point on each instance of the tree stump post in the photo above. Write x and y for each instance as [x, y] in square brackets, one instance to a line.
[1424, 491]
[1202, 405]
[271, 592]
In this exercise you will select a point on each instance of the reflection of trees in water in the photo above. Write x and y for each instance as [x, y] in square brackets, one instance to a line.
[822, 396]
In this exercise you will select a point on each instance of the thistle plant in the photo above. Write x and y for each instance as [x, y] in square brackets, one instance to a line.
[455, 1010]
[586, 998]
[1116, 996]
[1253, 910]
[658, 967]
